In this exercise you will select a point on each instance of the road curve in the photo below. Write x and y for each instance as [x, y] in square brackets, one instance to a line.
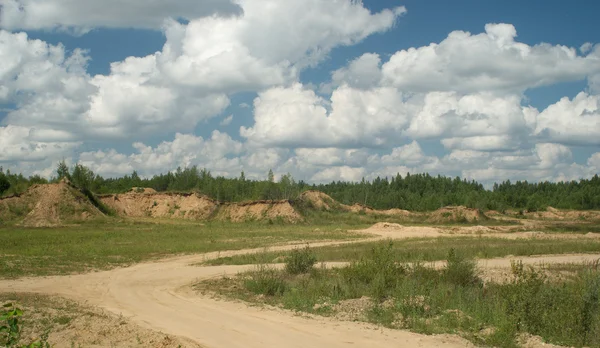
[157, 295]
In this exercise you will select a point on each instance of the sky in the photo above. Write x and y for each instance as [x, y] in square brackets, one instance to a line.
[321, 89]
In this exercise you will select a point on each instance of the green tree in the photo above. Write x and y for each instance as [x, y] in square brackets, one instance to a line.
[63, 170]
[4, 183]
[82, 177]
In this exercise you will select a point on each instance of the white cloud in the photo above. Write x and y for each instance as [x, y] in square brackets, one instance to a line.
[18, 144]
[268, 45]
[296, 116]
[344, 173]
[184, 151]
[575, 121]
[490, 61]
[362, 72]
[226, 121]
[80, 16]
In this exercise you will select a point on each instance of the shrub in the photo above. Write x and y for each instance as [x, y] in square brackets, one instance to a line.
[300, 261]
[460, 271]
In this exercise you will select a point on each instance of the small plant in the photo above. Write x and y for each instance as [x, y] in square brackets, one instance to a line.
[155, 204]
[300, 261]
[10, 329]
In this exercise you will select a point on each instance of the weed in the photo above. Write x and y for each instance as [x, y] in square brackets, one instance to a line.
[266, 281]
[300, 261]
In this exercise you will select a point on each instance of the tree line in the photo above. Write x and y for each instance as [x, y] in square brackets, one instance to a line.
[416, 192]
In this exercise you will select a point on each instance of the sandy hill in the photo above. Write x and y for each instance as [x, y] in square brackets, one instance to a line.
[48, 205]
[322, 201]
[259, 210]
[148, 203]
[456, 214]
[145, 203]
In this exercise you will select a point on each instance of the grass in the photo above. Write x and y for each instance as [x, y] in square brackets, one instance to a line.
[430, 249]
[111, 243]
[449, 300]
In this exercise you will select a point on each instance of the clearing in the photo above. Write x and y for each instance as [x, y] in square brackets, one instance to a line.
[164, 270]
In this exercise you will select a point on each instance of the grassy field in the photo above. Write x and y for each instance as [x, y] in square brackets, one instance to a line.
[113, 243]
[430, 249]
[454, 299]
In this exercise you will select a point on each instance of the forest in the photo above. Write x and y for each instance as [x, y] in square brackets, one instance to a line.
[415, 192]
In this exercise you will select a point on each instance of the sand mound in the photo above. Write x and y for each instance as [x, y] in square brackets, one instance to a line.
[320, 200]
[386, 225]
[258, 210]
[142, 190]
[161, 205]
[48, 205]
[456, 214]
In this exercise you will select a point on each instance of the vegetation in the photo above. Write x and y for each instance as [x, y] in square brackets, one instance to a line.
[95, 245]
[450, 300]
[10, 329]
[429, 249]
[420, 192]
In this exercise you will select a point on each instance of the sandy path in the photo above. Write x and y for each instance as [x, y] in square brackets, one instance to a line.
[157, 295]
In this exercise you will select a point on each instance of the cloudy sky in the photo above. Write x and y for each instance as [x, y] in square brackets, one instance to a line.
[322, 89]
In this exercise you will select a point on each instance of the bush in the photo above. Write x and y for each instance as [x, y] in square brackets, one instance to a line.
[460, 271]
[300, 261]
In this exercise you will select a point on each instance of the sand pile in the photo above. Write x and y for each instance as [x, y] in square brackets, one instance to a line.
[259, 210]
[557, 214]
[48, 205]
[386, 225]
[142, 190]
[161, 205]
[320, 200]
[456, 214]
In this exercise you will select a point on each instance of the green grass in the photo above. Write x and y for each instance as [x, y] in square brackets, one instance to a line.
[429, 249]
[90, 246]
[450, 300]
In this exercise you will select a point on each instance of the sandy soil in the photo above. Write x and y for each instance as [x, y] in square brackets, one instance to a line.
[157, 295]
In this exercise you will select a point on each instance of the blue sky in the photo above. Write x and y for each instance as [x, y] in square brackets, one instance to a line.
[382, 115]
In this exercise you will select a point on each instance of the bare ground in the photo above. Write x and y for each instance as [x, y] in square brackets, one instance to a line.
[158, 296]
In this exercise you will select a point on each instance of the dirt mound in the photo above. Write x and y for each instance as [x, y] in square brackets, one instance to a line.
[457, 214]
[320, 200]
[258, 210]
[386, 225]
[48, 205]
[161, 205]
[142, 190]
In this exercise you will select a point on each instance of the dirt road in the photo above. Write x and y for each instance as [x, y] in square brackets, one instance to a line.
[157, 295]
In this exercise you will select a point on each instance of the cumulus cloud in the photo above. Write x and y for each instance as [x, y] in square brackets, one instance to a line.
[184, 151]
[573, 122]
[490, 61]
[296, 116]
[268, 45]
[80, 16]
[19, 144]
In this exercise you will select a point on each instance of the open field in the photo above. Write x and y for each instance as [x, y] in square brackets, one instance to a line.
[163, 272]
[99, 246]
[428, 249]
